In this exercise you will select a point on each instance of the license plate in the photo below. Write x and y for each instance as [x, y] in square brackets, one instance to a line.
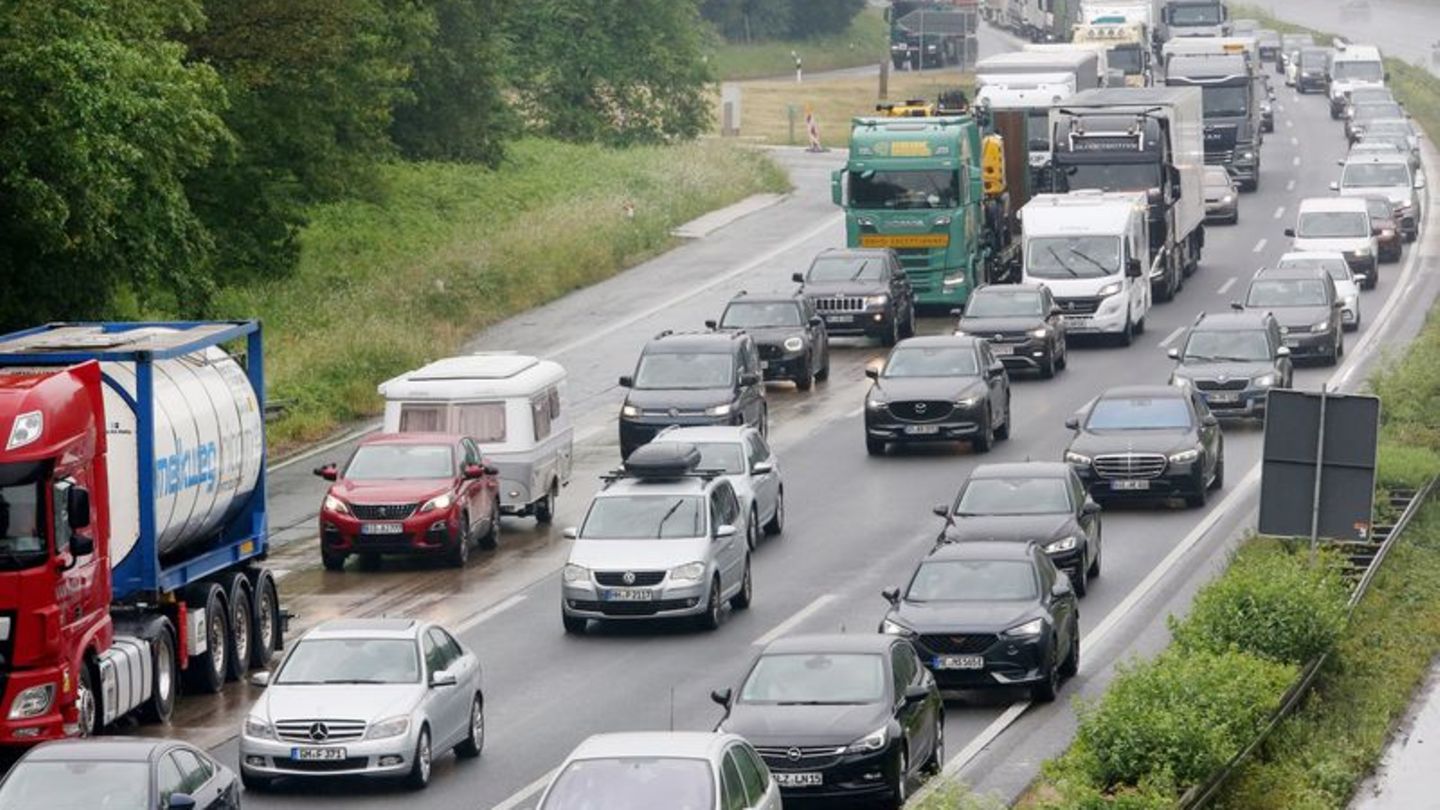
[629, 595]
[1000, 351]
[959, 662]
[1076, 318]
[794, 780]
[1223, 399]
[840, 318]
[382, 528]
[921, 430]
[317, 754]
[1130, 486]
[1292, 342]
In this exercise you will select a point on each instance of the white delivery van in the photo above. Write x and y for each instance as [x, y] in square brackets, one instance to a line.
[1336, 224]
[1353, 66]
[1092, 249]
[512, 406]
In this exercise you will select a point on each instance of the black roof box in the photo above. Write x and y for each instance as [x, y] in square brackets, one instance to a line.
[664, 460]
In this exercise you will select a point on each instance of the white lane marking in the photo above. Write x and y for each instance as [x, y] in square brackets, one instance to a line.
[1224, 288]
[789, 624]
[1290, 124]
[526, 792]
[1170, 338]
[1290, 186]
[1296, 161]
[1280, 212]
[1259, 246]
[1294, 141]
[488, 614]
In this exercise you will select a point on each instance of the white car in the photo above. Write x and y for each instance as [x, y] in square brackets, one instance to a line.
[1340, 224]
[748, 464]
[677, 770]
[364, 697]
[1347, 284]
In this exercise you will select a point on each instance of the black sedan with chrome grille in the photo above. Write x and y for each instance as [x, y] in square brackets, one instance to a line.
[940, 388]
[1148, 441]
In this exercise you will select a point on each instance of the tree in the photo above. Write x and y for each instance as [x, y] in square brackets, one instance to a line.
[616, 72]
[455, 110]
[811, 18]
[104, 121]
[749, 20]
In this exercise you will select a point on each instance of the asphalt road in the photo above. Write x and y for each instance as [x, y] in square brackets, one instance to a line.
[856, 524]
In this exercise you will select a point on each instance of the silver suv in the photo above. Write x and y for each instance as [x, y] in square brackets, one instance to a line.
[663, 538]
[746, 460]
[1390, 175]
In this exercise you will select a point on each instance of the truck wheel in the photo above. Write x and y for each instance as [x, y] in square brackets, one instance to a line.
[161, 703]
[242, 628]
[206, 673]
[267, 637]
[87, 702]
[545, 508]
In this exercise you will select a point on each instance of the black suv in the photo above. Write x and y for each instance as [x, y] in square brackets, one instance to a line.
[861, 291]
[692, 378]
[1233, 359]
[1022, 323]
[1033, 501]
[1147, 441]
[938, 388]
[1304, 301]
[790, 335]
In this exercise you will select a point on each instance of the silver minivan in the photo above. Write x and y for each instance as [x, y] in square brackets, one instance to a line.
[676, 770]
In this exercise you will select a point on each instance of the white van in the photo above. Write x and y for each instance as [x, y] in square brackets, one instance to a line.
[1340, 224]
[1092, 250]
[1353, 66]
[511, 405]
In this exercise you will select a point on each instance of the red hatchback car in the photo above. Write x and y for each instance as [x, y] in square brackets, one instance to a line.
[409, 493]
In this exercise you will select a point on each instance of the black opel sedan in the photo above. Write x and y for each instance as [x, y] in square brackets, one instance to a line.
[985, 615]
[120, 772]
[852, 716]
[939, 388]
[1148, 441]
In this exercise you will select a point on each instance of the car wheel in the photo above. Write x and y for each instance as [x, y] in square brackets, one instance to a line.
[1218, 480]
[710, 619]
[892, 335]
[1094, 569]
[875, 447]
[742, 598]
[491, 538]
[574, 625]
[459, 552]
[333, 561]
[1201, 496]
[1064, 361]
[1046, 690]
[419, 776]
[985, 439]
[936, 762]
[777, 523]
[1047, 369]
[806, 380]
[909, 324]
[900, 784]
[545, 508]
[1072, 661]
[1080, 583]
[1127, 335]
[752, 530]
[1003, 432]
[824, 373]
[474, 742]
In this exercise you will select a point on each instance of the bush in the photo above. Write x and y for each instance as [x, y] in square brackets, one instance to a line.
[1270, 603]
[1177, 718]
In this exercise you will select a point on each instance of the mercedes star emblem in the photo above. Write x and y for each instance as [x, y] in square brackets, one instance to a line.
[319, 732]
[628, 577]
[793, 754]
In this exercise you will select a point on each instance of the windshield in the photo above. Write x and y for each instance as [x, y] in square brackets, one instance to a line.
[1217, 178]
[938, 188]
[1335, 266]
[81, 785]
[1225, 102]
[1014, 496]
[1128, 60]
[724, 456]
[22, 506]
[1072, 256]
[1111, 176]
[1313, 60]
[1370, 95]
[351, 660]
[846, 268]
[1390, 127]
[1139, 413]
[932, 361]
[757, 314]
[630, 782]
[1379, 207]
[1037, 130]
[1004, 304]
[400, 462]
[815, 678]
[1333, 225]
[1376, 175]
[972, 581]
[1378, 109]
[1227, 346]
[684, 370]
[1196, 15]
[1273, 293]
[1358, 71]
[643, 517]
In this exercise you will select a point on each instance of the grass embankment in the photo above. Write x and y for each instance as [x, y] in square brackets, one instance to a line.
[765, 104]
[865, 42]
[445, 250]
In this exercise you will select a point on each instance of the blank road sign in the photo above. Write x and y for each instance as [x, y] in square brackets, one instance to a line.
[1347, 483]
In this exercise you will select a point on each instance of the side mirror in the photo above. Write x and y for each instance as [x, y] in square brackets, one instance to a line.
[1419, 184]
[180, 801]
[1073, 423]
[473, 471]
[763, 468]
[81, 545]
[817, 321]
[837, 187]
[77, 507]
[872, 373]
[722, 697]
[443, 678]
[724, 531]
[1133, 268]
[892, 595]
[1062, 587]
[957, 313]
[1237, 306]
[490, 469]
[329, 472]
[1283, 351]
[1375, 231]
[570, 533]
[916, 693]
[1090, 508]
[1056, 312]
[1174, 354]
[260, 678]
[712, 325]
[1334, 185]
[798, 278]
[996, 369]
[1209, 420]
[749, 378]
[1290, 232]
[627, 382]
[941, 510]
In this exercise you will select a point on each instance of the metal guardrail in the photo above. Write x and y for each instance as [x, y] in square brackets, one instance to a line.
[1200, 795]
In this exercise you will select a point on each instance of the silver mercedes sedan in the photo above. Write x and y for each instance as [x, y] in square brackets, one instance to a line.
[372, 697]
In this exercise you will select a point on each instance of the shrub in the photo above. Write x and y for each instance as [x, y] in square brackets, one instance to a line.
[1178, 717]
[1270, 603]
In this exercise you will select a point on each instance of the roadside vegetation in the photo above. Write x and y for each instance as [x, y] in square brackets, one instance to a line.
[864, 42]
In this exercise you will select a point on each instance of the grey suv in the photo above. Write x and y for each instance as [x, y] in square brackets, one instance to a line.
[663, 538]
[1233, 359]
[1305, 303]
[861, 291]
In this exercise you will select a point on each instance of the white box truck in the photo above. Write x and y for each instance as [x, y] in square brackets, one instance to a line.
[1032, 82]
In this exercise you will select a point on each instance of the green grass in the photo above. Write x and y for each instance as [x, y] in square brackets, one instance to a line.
[865, 42]
[446, 250]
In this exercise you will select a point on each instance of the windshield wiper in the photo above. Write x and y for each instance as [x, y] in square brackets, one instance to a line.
[352, 681]
[819, 703]
[1091, 260]
[660, 527]
[1063, 265]
[865, 265]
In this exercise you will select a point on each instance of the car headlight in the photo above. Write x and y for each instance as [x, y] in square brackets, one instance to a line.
[876, 300]
[1029, 629]
[575, 573]
[1362, 251]
[894, 628]
[1265, 380]
[1063, 544]
[1076, 458]
[334, 504]
[1180, 382]
[1387, 233]
[1039, 333]
[1109, 289]
[794, 344]
[1352, 303]
[1185, 456]
[629, 410]
[438, 502]
[1320, 326]
[956, 280]
[874, 741]
[968, 402]
[689, 572]
[32, 702]
[1227, 199]
[392, 727]
[719, 410]
[875, 403]
[1247, 156]
[258, 728]
[960, 333]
